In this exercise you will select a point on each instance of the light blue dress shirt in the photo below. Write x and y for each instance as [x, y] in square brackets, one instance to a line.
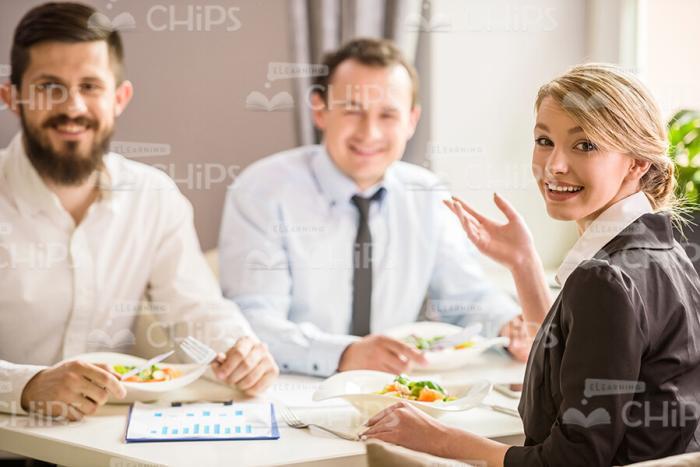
[286, 246]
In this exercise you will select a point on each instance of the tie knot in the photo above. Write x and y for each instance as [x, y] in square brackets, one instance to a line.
[363, 203]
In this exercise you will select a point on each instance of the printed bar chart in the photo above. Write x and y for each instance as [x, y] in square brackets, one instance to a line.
[206, 421]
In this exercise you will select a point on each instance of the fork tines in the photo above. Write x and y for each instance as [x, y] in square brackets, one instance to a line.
[289, 417]
[197, 351]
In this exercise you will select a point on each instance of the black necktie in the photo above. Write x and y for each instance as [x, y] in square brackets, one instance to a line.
[362, 268]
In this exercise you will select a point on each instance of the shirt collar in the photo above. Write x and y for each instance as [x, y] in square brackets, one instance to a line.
[31, 193]
[338, 187]
[608, 225]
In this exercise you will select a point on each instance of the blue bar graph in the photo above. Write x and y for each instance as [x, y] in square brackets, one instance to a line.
[210, 421]
[214, 429]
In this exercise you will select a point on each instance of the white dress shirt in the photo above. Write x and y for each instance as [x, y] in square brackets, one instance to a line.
[286, 246]
[604, 228]
[67, 289]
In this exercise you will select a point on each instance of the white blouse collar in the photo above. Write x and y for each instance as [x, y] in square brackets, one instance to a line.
[604, 228]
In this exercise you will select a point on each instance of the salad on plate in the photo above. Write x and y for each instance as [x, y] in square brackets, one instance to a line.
[152, 374]
[421, 391]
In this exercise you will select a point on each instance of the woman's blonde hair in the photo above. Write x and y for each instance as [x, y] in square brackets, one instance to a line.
[617, 112]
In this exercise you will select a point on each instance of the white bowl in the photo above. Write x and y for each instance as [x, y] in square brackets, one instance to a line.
[359, 388]
[145, 392]
[445, 359]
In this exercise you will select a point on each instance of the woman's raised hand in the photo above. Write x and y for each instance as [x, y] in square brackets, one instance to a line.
[508, 244]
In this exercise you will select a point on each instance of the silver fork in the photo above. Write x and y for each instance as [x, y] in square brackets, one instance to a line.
[197, 351]
[294, 422]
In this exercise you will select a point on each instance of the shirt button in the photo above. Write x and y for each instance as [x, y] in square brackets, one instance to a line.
[315, 366]
[285, 366]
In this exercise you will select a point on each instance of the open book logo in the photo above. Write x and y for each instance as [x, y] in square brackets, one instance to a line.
[259, 102]
[260, 260]
[436, 23]
[573, 416]
[100, 339]
[122, 22]
[437, 185]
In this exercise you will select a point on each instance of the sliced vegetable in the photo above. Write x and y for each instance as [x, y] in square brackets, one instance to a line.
[424, 391]
[423, 343]
[429, 395]
[433, 343]
[464, 345]
[153, 374]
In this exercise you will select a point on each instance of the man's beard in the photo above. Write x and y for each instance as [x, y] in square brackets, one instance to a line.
[68, 167]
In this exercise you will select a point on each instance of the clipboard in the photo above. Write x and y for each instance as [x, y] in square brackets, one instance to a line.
[207, 421]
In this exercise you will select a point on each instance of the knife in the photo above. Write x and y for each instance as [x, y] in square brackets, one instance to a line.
[152, 361]
[454, 339]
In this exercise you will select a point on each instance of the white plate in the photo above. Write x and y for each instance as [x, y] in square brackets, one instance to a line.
[145, 392]
[359, 388]
[446, 359]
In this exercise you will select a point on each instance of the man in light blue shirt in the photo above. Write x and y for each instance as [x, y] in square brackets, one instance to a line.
[324, 247]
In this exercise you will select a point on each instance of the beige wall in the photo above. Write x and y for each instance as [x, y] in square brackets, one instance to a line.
[190, 91]
[669, 58]
[487, 71]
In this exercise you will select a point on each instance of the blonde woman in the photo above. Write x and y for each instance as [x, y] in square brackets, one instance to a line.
[613, 376]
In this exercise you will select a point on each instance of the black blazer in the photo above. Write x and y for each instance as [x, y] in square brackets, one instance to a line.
[614, 372]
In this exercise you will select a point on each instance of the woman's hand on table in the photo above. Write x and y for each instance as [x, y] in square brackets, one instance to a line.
[407, 426]
[248, 366]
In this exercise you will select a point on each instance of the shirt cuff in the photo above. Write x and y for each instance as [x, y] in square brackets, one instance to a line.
[12, 383]
[493, 328]
[320, 358]
[326, 352]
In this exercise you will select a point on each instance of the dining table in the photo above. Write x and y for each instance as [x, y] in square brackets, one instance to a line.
[99, 439]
